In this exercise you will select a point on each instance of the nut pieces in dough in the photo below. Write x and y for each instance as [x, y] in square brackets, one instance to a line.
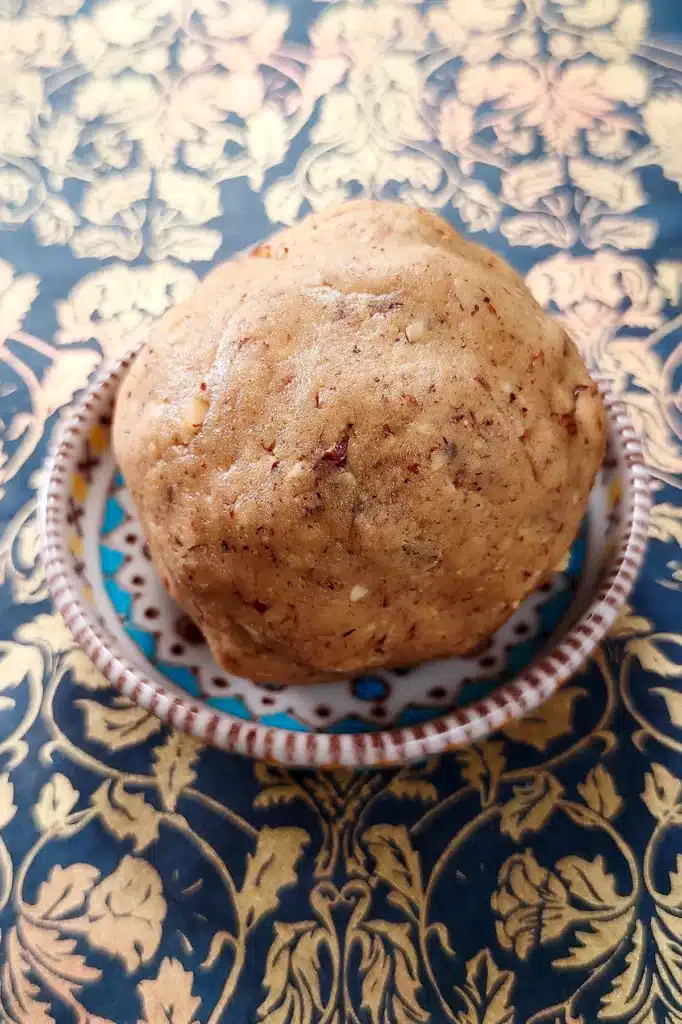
[362, 445]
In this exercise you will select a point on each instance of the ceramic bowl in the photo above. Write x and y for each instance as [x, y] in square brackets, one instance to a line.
[102, 581]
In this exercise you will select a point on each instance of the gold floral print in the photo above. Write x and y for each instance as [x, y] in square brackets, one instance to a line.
[131, 135]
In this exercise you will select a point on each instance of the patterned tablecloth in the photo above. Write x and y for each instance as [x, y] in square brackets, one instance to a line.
[536, 877]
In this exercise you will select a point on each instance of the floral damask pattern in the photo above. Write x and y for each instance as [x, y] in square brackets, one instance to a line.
[535, 877]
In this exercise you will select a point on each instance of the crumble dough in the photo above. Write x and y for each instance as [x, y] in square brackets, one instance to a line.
[362, 445]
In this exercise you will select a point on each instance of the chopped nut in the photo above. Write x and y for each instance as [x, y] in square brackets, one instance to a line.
[358, 592]
[347, 479]
[199, 409]
[298, 470]
[439, 460]
[300, 477]
[191, 423]
[337, 453]
[415, 331]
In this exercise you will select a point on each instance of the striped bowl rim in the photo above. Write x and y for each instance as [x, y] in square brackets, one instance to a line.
[456, 728]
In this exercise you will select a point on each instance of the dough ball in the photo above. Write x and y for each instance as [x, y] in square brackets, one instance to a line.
[361, 446]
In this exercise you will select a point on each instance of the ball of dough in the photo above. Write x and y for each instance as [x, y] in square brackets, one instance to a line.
[362, 445]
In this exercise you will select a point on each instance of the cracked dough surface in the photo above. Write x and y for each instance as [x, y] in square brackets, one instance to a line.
[363, 445]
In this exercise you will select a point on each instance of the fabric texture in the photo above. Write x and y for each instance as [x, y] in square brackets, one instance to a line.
[535, 877]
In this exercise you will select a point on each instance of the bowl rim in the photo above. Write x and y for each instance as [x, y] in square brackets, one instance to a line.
[385, 747]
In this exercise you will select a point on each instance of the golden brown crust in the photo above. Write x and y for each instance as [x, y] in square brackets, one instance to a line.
[362, 446]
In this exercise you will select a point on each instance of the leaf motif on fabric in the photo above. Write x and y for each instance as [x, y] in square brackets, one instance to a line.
[390, 974]
[669, 279]
[266, 139]
[125, 913]
[117, 196]
[662, 792]
[56, 801]
[666, 931]
[66, 375]
[482, 766]
[479, 208]
[191, 195]
[18, 662]
[619, 190]
[174, 766]
[648, 417]
[486, 992]
[83, 672]
[39, 952]
[589, 881]
[283, 201]
[599, 792]
[292, 977]
[622, 233]
[17, 295]
[65, 891]
[276, 786]
[530, 180]
[117, 726]
[168, 998]
[665, 522]
[396, 863]
[54, 222]
[271, 868]
[629, 988]
[19, 562]
[661, 120]
[20, 995]
[547, 723]
[52, 960]
[412, 789]
[103, 243]
[628, 624]
[126, 815]
[595, 940]
[531, 806]
[46, 630]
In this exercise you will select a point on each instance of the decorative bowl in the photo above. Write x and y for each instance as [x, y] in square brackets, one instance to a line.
[102, 581]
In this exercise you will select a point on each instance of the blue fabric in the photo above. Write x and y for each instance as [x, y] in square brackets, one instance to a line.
[535, 877]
